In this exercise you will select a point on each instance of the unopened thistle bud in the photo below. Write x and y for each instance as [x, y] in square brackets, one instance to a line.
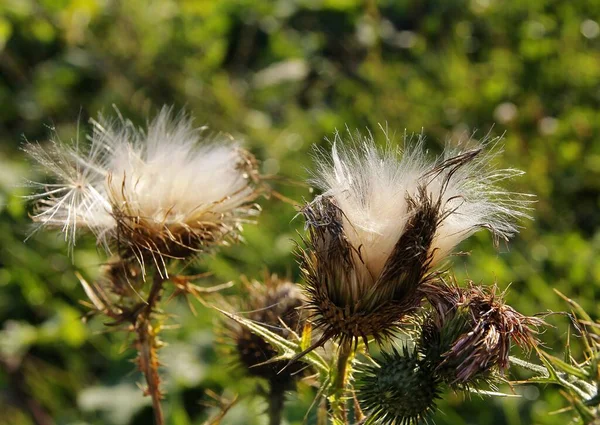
[277, 305]
[468, 335]
[154, 194]
[384, 221]
[397, 391]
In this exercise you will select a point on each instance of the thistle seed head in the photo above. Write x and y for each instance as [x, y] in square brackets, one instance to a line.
[468, 335]
[384, 221]
[339, 304]
[397, 391]
[164, 192]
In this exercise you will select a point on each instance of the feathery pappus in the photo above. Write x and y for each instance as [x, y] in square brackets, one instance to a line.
[166, 191]
[468, 335]
[385, 219]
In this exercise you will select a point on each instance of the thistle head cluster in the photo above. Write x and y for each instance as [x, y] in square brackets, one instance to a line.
[463, 342]
[377, 237]
[154, 194]
[383, 223]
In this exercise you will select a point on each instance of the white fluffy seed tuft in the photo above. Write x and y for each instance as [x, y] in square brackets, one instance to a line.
[167, 182]
[372, 188]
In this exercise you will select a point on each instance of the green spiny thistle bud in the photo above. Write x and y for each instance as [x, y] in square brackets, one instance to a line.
[398, 391]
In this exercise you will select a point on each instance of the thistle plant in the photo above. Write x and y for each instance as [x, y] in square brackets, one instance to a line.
[382, 227]
[374, 267]
[373, 261]
[150, 197]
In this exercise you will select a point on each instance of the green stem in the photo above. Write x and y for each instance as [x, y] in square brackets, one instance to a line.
[337, 398]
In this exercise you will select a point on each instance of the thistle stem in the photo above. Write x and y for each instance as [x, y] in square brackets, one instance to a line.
[147, 345]
[337, 398]
[276, 402]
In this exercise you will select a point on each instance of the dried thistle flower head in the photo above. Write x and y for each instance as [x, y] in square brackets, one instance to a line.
[398, 390]
[164, 192]
[385, 219]
[276, 304]
[468, 335]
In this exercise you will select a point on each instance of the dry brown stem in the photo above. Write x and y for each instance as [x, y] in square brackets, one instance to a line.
[147, 344]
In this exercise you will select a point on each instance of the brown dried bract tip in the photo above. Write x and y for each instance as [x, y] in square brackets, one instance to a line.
[276, 304]
[470, 331]
[117, 293]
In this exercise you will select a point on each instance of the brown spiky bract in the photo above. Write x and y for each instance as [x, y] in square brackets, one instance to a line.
[469, 332]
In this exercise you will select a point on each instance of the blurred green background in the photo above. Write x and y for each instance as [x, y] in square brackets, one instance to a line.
[280, 76]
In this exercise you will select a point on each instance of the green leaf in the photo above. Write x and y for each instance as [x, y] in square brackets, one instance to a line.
[565, 367]
[287, 349]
